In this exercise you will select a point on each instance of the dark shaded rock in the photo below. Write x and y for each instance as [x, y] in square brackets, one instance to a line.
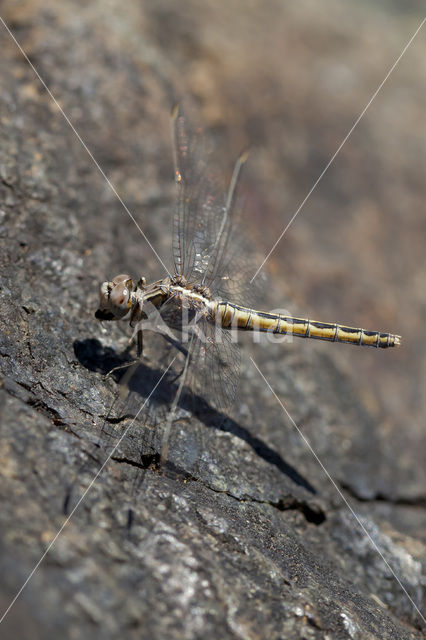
[242, 534]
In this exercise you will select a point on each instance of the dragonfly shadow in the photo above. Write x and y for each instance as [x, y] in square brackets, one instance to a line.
[95, 357]
[92, 355]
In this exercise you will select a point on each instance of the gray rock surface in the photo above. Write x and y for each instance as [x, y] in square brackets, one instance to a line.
[242, 535]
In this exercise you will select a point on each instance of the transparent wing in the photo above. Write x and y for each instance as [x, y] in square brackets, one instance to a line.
[206, 219]
[232, 281]
[151, 401]
[214, 358]
[214, 369]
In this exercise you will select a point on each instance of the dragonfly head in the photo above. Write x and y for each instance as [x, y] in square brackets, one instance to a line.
[115, 298]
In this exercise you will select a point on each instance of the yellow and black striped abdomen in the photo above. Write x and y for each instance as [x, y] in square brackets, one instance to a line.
[234, 316]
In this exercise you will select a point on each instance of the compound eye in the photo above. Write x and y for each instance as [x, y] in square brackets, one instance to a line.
[119, 299]
[123, 277]
[104, 292]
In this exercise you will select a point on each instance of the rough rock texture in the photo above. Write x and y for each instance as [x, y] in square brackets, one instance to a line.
[242, 535]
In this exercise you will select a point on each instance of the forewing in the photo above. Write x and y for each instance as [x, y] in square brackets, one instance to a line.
[204, 220]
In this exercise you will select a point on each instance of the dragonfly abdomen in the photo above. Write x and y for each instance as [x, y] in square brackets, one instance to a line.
[244, 318]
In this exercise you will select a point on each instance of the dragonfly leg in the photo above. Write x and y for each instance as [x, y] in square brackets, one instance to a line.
[176, 343]
[179, 346]
[126, 365]
[139, 346]
[177, 376]
[139, 338]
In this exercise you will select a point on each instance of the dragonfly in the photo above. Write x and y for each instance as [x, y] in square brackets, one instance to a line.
[202, 305]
